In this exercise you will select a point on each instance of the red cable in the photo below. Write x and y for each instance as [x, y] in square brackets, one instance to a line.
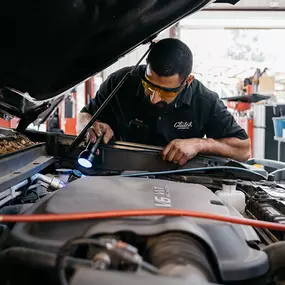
[131, 213]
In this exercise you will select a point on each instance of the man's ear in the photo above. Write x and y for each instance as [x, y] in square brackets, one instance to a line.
[189, 80]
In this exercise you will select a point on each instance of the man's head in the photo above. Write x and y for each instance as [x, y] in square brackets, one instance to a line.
[169, 65]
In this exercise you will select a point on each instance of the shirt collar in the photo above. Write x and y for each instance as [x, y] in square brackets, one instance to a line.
[185, 97]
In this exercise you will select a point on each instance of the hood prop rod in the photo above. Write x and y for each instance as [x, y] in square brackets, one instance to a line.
[81, 135]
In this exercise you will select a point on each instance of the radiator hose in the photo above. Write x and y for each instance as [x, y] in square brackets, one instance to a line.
[180, 255]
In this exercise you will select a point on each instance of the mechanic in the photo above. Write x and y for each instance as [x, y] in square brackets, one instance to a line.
[163, 104]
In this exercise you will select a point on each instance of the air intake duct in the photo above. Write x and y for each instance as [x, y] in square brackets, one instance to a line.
[180, 255]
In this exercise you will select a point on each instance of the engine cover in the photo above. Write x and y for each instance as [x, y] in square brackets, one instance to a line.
[228, 243]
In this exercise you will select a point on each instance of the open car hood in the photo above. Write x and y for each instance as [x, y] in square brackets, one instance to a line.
[50, 46]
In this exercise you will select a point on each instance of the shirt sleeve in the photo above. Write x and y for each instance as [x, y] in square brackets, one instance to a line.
[221, 123]
[101, 95]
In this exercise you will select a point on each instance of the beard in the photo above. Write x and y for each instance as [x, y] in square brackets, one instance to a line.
[159, 107]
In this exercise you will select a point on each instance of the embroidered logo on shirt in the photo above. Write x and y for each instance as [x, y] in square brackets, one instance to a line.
[183, 125]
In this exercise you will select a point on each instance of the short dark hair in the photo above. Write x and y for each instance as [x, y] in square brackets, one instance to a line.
[169, 57]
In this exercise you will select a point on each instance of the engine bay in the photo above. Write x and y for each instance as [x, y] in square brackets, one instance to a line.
[131, 218]
[110, 225]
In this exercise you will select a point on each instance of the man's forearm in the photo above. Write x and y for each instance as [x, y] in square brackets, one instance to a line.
[228, 147]
[98, 129]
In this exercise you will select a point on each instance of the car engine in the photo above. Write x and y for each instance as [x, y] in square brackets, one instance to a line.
[131, 249]
[131, 218]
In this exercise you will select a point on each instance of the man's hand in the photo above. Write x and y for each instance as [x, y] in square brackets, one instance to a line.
[98, 129]
[180, 151]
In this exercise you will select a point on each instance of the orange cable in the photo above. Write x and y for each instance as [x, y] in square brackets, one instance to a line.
[132, 213]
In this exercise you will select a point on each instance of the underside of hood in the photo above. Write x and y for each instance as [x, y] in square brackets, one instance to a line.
[49, 46]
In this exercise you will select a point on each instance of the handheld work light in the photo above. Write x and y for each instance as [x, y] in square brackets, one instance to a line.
[86, 157]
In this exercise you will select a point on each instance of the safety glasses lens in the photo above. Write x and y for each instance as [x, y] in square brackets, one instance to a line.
[162, 93]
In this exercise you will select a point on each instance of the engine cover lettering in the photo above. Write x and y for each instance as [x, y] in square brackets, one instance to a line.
[161, 197]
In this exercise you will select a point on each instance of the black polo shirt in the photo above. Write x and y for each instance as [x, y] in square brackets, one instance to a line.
[195, 113]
